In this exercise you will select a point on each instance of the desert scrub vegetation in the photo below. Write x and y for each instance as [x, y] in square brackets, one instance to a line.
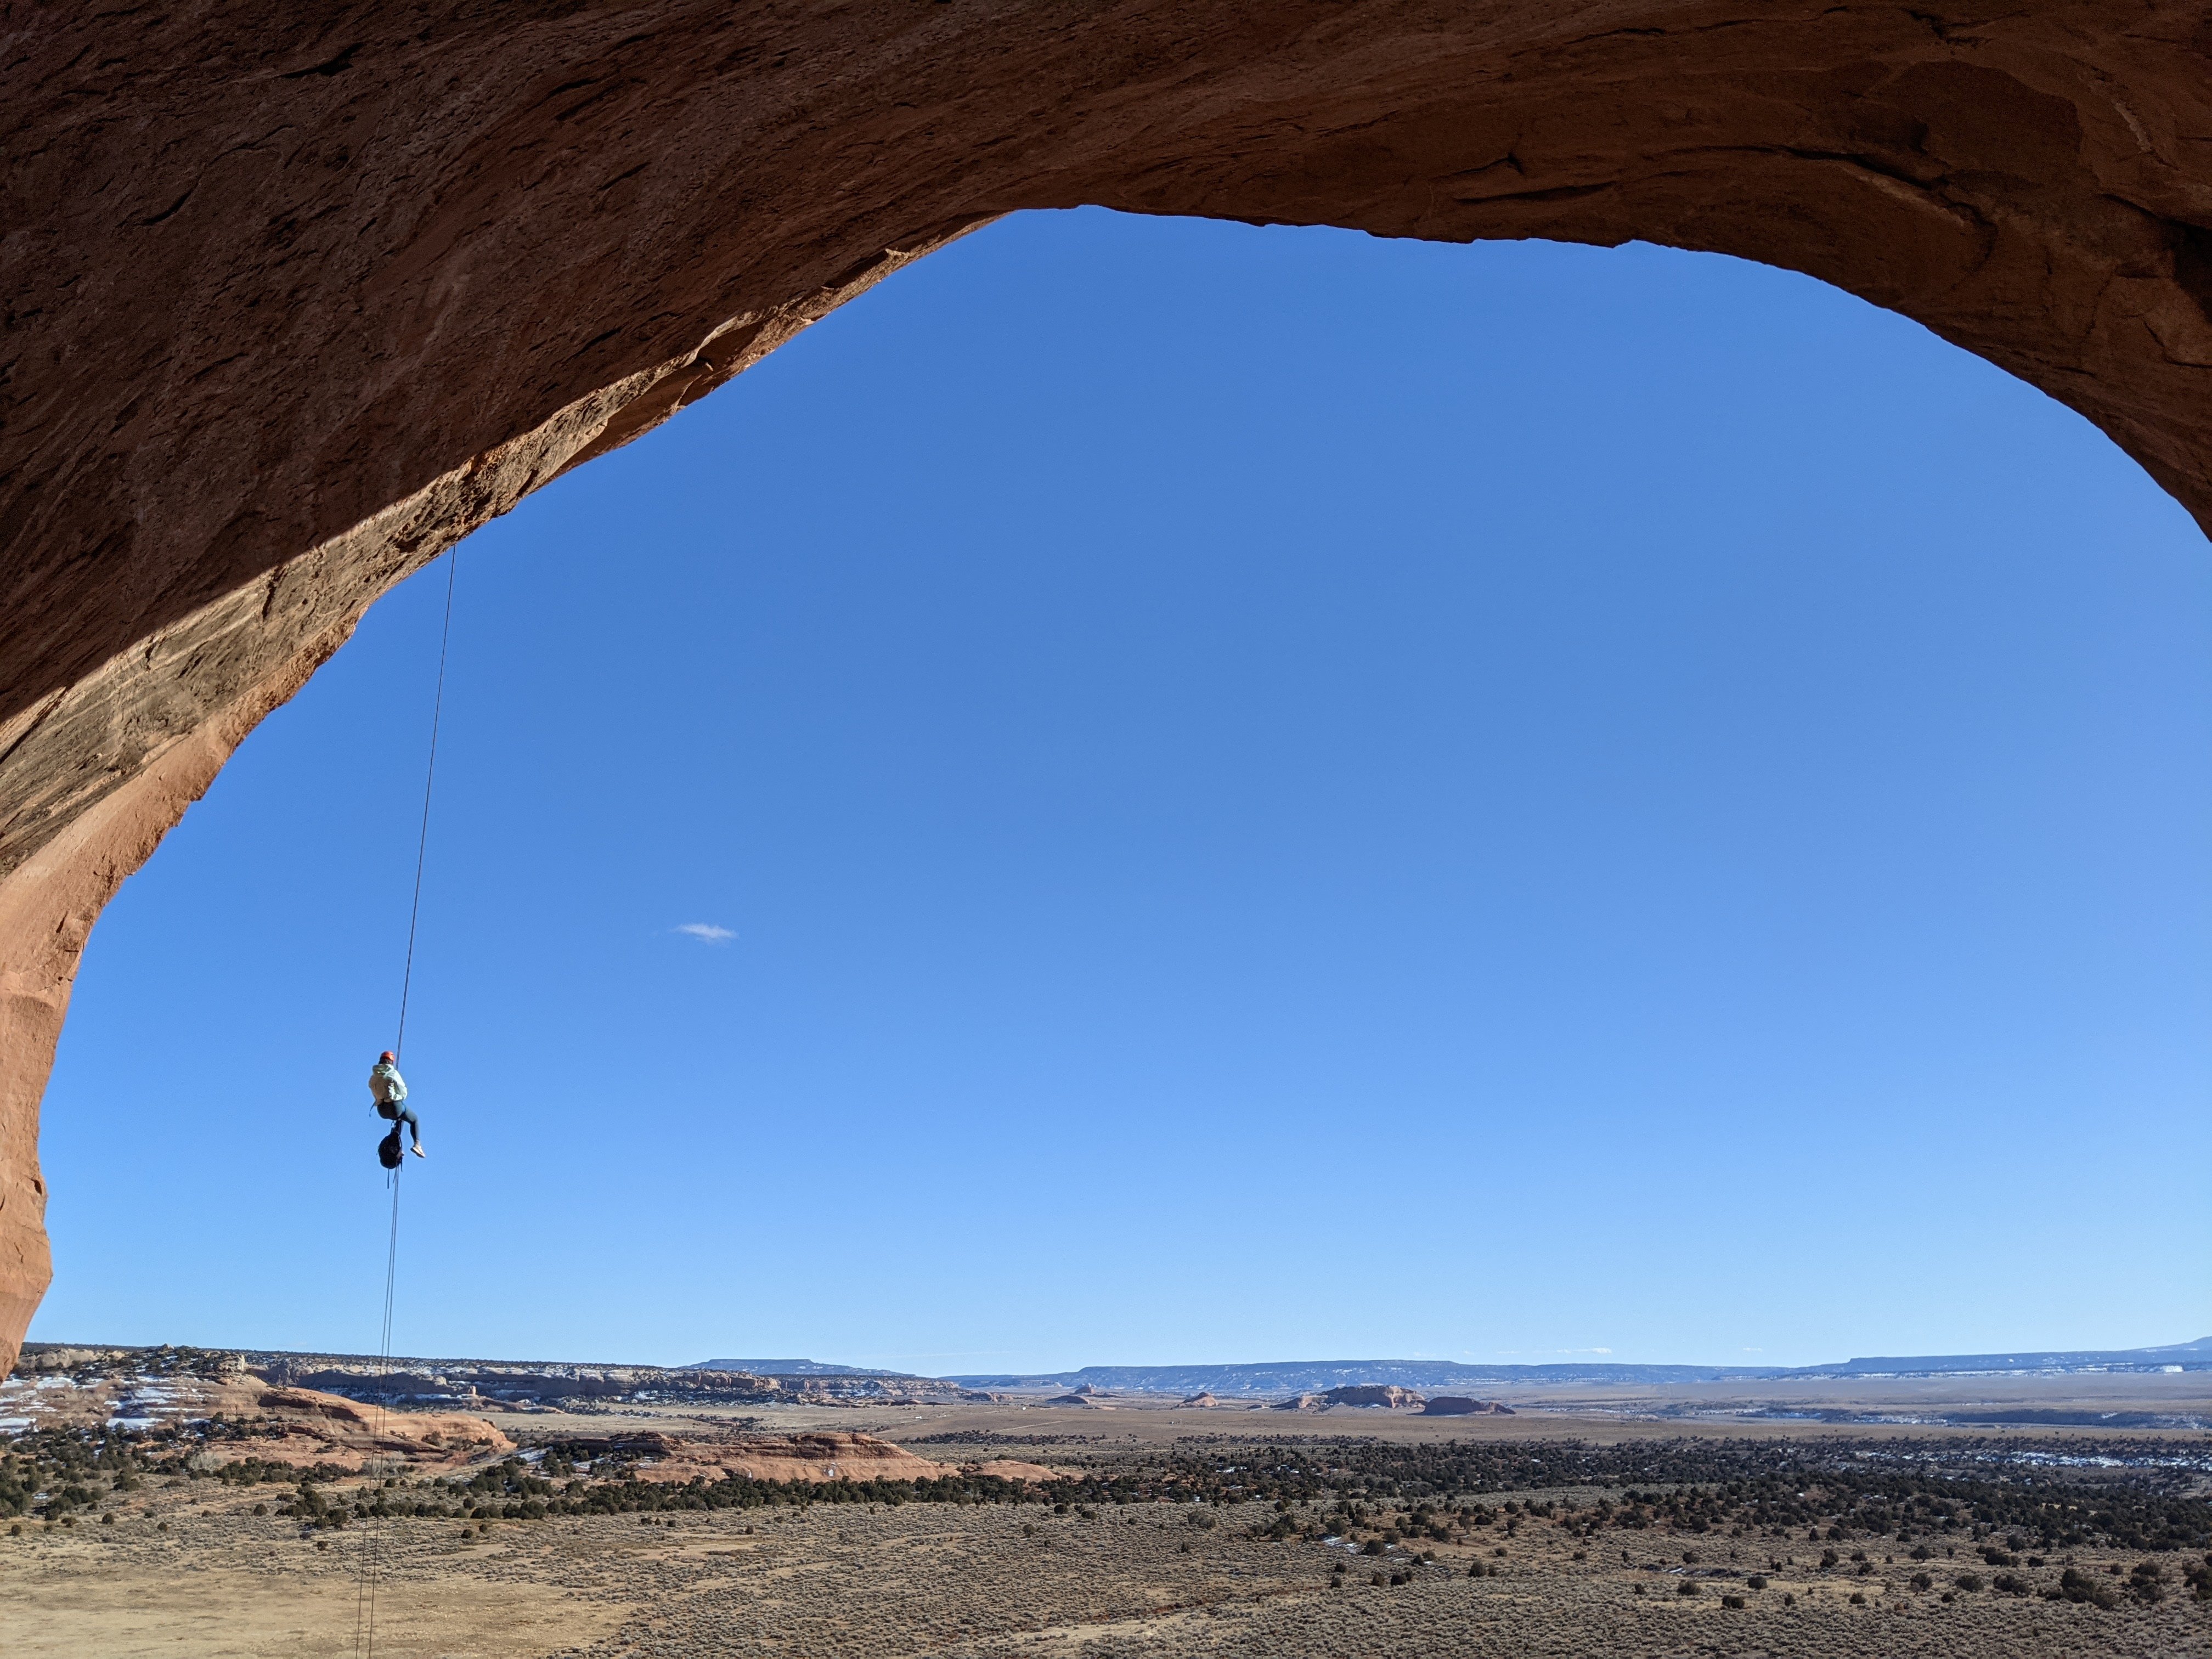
[55, 1473]
[1976, 1502]
[1834, 1490]
[978, 1570]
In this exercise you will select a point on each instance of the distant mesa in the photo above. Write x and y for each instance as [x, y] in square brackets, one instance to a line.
[1388, 1395]
[142, 1387]
[793, 1368]
[1385, 1396]
[1459, 1405]
[2175, 1357]
[1282, 1382]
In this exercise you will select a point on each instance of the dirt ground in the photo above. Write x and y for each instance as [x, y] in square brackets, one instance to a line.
[187, 1572]
[983, 1581]
[177, 1577]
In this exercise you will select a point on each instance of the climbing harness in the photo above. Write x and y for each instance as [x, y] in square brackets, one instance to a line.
[372, 1547]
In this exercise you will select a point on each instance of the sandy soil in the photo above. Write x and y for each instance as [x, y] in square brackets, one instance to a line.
[220, 1580]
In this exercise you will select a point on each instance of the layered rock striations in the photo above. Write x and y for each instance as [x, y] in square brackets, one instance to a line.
[298, 295]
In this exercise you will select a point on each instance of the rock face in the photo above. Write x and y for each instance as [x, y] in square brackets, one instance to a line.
[299, 1427]
[1459, 1405]
[328, 1428]
[811, 1457]
[297, 295]
[1387, 1396]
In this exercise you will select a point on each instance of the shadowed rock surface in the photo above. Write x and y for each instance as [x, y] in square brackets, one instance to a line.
[1460, 1405]
[299, 295]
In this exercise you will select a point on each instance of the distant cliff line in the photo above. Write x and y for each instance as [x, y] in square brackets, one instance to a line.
[1298, 1377]
[788, 1379]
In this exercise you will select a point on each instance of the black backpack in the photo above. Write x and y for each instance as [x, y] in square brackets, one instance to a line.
[388, 1150]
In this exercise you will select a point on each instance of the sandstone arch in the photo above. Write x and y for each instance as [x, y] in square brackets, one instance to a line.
[297, 295]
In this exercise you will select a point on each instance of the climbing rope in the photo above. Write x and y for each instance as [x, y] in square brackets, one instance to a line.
[364, 1605]
[429, 778]
[372, 1551]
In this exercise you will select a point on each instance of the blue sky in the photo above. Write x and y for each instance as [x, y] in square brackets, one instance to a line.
[1272, 794]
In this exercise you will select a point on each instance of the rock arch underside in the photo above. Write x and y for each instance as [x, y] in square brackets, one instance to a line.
[297, 295]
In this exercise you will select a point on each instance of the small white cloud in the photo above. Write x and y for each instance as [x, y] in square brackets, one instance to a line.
[705, 932]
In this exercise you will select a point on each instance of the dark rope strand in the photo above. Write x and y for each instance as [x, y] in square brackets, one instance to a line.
[364, 1601]
[430, 779]
[383, 1409]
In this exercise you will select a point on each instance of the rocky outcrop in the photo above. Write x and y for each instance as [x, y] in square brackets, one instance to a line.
[1386, 1395]
[91, 1388]
[673, 1460]
[1009, 1468]
[297, 295]
[312, 1427]
[1460, 1405]
[811, 1457]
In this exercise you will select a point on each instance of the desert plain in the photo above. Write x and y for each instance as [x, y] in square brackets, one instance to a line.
[1835, 1519]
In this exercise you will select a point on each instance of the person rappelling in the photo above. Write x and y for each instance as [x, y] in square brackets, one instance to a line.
[389, 1090]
